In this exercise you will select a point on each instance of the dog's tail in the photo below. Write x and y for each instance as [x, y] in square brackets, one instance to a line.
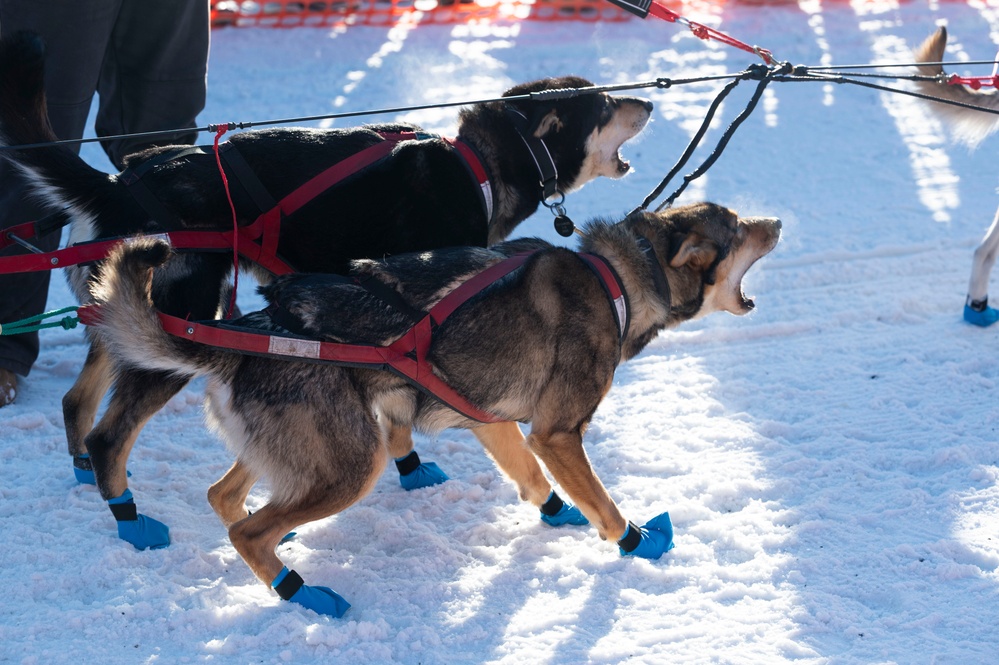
[968, 125]
[56, 174]
[128, 323]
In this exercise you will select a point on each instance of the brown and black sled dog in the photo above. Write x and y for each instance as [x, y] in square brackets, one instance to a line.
[422, 196]
[539, 345]
[969, 126]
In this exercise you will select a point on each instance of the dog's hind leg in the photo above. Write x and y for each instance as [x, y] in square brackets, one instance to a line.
[80, 404]
[413, 473]
[506, 445]
[976, 309]
[137, 396]
[228, 495]
[256, 536]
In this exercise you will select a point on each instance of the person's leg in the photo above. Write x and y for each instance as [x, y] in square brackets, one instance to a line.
[154, 75]
[75, 34]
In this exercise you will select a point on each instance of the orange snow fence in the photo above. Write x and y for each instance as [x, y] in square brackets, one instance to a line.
[320, 13]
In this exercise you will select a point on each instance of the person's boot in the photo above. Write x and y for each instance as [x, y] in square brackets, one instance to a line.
[8, 387]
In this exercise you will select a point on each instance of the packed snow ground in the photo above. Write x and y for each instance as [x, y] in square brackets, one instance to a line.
[830, 462]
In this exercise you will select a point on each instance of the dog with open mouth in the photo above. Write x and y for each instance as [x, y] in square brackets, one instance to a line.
[425, 193]
[540, 345]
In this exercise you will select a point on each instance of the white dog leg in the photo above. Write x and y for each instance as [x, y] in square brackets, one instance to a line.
[976, 309]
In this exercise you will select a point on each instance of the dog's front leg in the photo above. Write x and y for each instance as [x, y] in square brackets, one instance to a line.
[976, 309]
[563, 454]
[506, 445]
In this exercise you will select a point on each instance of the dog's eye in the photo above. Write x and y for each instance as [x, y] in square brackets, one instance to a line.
[607, 112]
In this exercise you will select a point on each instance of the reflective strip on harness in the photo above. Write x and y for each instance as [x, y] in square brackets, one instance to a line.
[478, 172]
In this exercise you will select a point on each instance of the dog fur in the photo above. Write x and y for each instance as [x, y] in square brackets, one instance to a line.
[538, 346]
[969, 126]
[420, 198]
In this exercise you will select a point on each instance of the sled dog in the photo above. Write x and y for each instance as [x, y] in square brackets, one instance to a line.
[540, 345]
[969, 126]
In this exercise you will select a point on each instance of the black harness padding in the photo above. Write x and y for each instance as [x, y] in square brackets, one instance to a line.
[132, 178]
[233, 159]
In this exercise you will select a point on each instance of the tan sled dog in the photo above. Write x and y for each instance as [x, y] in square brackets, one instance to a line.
[969, 126]
[540, 345]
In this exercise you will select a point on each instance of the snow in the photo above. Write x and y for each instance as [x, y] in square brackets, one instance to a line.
[830, 462]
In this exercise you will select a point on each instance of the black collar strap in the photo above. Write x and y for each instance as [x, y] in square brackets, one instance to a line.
[547, 172]
[658, 275]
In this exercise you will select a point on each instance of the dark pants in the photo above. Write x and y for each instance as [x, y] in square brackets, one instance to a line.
[147, 62]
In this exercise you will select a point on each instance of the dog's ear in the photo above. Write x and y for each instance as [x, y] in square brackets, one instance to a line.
[544, 120]
[696, 251]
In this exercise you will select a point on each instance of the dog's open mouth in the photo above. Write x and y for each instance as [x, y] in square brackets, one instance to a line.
[623, 165]
[764, 234]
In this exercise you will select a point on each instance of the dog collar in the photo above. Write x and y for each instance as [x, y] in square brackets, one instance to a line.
[479, 174]
[547, 172]
[658, 275]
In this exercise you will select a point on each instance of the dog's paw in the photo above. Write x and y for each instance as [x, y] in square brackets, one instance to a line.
[319, 599]
[144, 533]
[141, 531]
[556, 512]
[650, 541]
[984, 318]
[83, 470]
[414, 474]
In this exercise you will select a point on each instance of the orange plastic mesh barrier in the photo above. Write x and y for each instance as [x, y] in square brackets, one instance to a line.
[294, 13]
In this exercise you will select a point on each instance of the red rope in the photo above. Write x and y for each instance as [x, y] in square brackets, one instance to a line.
[704, 32]
[235, 224]
[974, 82]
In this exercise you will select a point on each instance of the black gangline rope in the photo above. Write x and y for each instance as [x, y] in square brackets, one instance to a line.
[800, 73]
[764, 74]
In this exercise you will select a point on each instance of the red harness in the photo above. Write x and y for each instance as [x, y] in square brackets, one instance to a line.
[406, 357]
[256, 242]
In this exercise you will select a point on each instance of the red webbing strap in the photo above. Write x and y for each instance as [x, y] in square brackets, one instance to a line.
[397, 355]
[97, 251]
[706, 33]
[612, 286]
[24, 231]
[334, 174]
[478, 172]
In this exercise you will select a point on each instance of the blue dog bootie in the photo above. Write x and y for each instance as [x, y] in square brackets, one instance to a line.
[83, 469]
[141, 531]
[978, 312]
[414, 474]
[320, 599]
[556, 512]
[650, 541]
